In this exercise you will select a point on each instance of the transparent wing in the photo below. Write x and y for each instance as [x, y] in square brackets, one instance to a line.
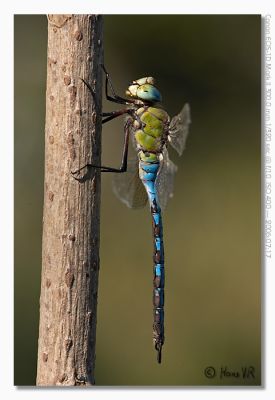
[165, 179]
[178, 129]
[128, 187]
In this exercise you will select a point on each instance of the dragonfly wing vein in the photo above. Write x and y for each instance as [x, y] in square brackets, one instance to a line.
[179, 128]
[128, 187]
[165, 179]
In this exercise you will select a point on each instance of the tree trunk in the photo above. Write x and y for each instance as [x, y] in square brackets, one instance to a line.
[70, 259]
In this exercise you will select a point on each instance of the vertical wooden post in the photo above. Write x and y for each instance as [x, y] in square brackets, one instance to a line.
[70, 259]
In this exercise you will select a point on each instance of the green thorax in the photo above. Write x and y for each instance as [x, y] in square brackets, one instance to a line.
[150, 132]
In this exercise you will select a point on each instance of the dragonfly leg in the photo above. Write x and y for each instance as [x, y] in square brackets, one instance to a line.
[110, 115]
[123, 166]
[115, 98]
[91, 90]
[114, 114]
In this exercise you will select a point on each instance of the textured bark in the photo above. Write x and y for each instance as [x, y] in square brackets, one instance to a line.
[70, 259]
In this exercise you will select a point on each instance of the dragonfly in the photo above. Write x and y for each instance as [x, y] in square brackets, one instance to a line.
[149, 176]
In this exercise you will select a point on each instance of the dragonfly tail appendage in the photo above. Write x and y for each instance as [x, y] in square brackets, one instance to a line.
[148, 173]
[158, 347]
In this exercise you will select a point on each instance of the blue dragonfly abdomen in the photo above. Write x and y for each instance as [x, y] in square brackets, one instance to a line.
[148, 174]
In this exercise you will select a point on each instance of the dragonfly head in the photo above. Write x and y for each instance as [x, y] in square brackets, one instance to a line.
[144, 89]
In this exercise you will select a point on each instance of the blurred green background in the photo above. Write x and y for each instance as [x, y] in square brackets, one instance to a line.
[211, 226]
